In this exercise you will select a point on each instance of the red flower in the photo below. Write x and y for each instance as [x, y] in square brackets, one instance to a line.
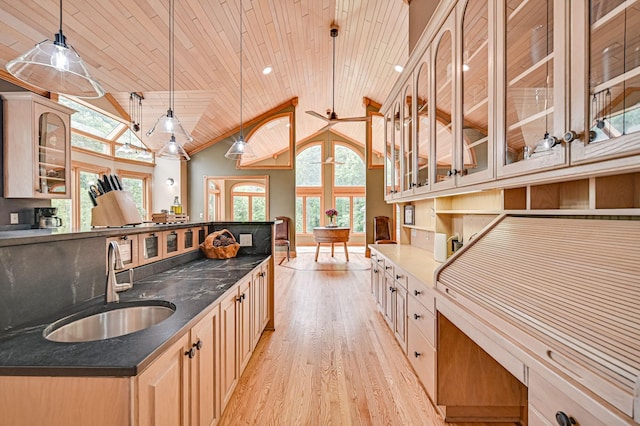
[331, 212]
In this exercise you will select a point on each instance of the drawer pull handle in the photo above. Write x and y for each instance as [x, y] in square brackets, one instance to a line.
[564, 420]
[392, 289]
[417, 293]
[387, 267]
[398, 276]
[450, 292]
[198, 344]
[190, 353]
[416, 354]
[375, 271]
[416, 316]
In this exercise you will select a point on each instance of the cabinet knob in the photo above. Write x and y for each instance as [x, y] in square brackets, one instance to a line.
[387, 267]
[570, 136]
[564, 420]
[261, 274]
[416, 354]
[416, 316]
[375, 271]
[452, 172]
[464, 172]
[190, 353]
[392, 289]
[198, 344]
[124, 237]
[416, 292]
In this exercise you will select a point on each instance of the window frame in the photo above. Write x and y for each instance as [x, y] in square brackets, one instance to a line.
[147, 179]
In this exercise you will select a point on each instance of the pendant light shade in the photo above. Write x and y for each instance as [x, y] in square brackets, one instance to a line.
[168, 126]
[56, 67]
[172, 150]
[240, 148]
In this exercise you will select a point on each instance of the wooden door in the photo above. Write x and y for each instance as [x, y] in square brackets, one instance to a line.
[163, 388]
[228, 348]
[205, 370]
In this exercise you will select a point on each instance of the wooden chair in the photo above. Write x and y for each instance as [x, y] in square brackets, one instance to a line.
[282, 234]
[382, 230]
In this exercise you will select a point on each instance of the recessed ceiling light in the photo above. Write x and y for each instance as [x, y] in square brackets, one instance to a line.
[267, 70]
[398, 68]
[465, 67]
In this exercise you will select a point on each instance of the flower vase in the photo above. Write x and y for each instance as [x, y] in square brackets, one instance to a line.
[332, 222]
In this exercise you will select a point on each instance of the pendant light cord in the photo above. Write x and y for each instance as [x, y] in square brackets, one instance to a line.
[333, 77]
[60, 16]
[171, 47]
[241, 133]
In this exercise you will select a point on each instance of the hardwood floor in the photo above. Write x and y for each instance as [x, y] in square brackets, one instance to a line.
[331, 360]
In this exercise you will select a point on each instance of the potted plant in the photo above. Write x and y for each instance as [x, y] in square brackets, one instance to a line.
[331, 213]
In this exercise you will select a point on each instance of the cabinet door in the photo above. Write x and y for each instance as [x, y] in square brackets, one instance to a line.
[205, 370]
[171, 243]
[443, 143]
[256, 305]
[53, 155]
[150, 247]
[244, 327]
[388, 156]
[605, 108]
[128, 247]
[389, 300]
[423, 132]
[264, 296]
[163, 388]
[397, 148]
[408, 149]
[228, 348]
[534, 84]
[400, 317]
[475, 127]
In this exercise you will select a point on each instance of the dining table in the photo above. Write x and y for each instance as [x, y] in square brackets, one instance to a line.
[332, 235]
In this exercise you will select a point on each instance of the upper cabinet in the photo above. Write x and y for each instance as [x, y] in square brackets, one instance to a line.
[423, 136]
[606, 84]
[37, 153]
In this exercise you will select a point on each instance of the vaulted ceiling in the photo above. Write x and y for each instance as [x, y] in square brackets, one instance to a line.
[126, 46]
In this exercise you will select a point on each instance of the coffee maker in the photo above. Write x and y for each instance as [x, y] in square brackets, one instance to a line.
[45, 217]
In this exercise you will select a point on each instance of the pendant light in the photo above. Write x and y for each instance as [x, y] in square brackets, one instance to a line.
[168, 125]
[127, 148]
[240, 148]
[55, 66]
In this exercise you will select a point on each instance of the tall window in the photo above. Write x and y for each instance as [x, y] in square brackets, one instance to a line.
[249, 203]
[213, 200]
[349, 188]
[308, 188]
[139, 185]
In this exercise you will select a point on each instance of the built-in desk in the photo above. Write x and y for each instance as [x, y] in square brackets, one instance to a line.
[331, 235]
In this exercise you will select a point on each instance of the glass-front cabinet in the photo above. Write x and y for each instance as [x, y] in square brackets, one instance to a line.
[409, 180]
[397, 148]
[423, 137]
[606, 87]
[388, 156]
[37, 154]
[534, 85]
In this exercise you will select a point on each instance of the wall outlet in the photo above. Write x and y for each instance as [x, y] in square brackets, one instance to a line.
[246, 240]
[15, 219]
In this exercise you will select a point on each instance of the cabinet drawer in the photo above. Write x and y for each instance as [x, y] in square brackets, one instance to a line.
[423, 319]
[388, 268]
[547, 399]
[400, 276]
[423, 294]
[422, 357]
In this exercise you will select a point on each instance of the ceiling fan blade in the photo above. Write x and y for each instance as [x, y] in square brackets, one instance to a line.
[315, 114]
[327, 127]
[354, 119]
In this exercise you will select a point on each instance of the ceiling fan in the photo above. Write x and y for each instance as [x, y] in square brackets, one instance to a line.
[331, 117]
[329, 160]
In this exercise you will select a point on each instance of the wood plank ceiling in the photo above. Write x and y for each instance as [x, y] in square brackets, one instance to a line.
[126, 46]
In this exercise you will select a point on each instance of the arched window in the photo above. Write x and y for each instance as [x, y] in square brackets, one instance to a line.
[248, 202]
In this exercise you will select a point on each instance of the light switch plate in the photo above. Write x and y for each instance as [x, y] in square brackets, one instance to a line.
[15, 219]
[246, 240]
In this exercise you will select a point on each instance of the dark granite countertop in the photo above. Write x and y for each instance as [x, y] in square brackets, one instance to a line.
[192, 287]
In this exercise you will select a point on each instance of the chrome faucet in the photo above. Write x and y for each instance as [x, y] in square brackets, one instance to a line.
[114, 261]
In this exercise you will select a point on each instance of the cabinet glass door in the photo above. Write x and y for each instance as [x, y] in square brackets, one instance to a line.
[613, 119]
[52, 154]
[407, 139]
[443, 143]
[397, 146]
[388, 155]
[534, 86]
[474, 144]
[422, 125]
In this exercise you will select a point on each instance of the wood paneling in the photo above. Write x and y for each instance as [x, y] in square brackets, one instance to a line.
[126, 47]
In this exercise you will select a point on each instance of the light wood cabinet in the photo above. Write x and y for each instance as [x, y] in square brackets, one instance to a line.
[150, 247]
[181, 387]
[244, 326]
[260, 298]
[172, 243]
[128, 248]
[37, 147]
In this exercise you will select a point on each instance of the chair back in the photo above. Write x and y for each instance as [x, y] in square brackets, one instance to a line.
[381, 229]
[282, 228]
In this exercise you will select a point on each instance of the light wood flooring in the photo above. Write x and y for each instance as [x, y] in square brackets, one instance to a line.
[331, 360]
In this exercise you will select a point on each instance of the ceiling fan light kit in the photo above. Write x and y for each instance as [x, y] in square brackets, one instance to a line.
[169, 124]
[331, 115]
[55, 66]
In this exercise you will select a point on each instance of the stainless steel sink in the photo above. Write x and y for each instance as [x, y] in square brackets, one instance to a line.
[110, 320]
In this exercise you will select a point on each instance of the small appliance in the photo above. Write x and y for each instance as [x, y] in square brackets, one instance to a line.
[45, 217]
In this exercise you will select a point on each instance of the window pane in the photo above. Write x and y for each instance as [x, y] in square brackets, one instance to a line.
[313, 213]
[359, 219]
[299, 213]
[308, 167]
[90, 121]
[136, 187]
[84, 206]
[241, 208]
[352, 171]
[211, 207]
[259, 209]
[248, 188]
[89, 143]
[64, 213]
[343, 205]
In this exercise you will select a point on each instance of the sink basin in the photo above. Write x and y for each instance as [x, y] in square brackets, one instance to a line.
[107, 321]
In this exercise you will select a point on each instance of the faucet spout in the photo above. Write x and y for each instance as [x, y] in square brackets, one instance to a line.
[114, 261]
